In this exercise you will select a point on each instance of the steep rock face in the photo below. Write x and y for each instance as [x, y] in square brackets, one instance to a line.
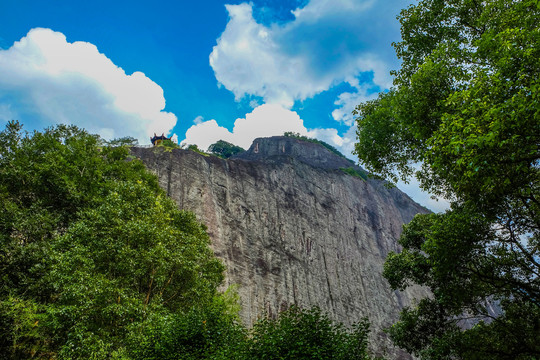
[292, 228]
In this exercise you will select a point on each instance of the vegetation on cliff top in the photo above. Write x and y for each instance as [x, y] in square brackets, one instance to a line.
[466, 106]
[97, 263]
[224, 149]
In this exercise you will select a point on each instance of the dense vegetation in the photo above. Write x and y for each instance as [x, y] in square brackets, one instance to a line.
[97, 263]
[92, 251]
[169, 144]
[224, 149]
[466, 106]
[306, 334]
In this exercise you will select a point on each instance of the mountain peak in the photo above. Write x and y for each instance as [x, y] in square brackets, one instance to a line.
[281, 148]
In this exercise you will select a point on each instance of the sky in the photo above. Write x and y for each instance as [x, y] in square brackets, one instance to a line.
[199, 71]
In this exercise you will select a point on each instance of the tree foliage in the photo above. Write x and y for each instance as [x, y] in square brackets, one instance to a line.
[465, 106]
[355, 172]
[169, 144]
[225, 149]
[307, 334]
[91, 248]
[209, 332]
[123, 141]
[195, 148]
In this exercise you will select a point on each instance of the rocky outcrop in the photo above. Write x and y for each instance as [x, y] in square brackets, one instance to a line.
[293, 228]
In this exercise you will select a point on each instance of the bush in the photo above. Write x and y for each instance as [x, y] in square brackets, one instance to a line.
[196, 149]
[124, 141]
[307, 334]
[208, 332]
[224, 149]
[355, 172]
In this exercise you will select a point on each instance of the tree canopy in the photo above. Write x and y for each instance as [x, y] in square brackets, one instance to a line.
[299, 334]
[225, 149]
[123, 141]
[91, 249]
[464, 118]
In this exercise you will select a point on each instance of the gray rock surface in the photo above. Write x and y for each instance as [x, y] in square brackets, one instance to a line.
[292, 228]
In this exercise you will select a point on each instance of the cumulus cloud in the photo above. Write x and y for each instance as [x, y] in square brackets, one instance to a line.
[265, 120]
[205, 133]
[347, 101]
[344, 143]
[44, 79]
[329, 42]
[435, 204]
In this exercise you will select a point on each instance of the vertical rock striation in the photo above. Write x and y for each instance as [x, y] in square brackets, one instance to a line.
[292, 228]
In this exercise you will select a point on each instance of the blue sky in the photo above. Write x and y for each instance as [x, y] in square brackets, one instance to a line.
[199, 70]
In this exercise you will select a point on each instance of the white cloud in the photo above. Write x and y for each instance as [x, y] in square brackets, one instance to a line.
[347, 101]
[46, 80]
[344, 143]
[329, 42]
[205, 133]
[425, 199]
[265, 120]
[254, 103]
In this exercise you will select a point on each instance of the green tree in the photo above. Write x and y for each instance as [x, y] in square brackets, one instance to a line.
[124, 141]
[464, 118]
[209, 332]
[91, 249]
[213, 333]
[224, 149]
[195, 148]
[169, 144]
[306, 334]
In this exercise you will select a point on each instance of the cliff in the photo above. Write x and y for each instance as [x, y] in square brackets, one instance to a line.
[292, 228]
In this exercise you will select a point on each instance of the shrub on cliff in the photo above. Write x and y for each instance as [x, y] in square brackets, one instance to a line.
[224, 149]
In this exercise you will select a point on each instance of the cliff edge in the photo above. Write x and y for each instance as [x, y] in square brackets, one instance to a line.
[293, 228]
